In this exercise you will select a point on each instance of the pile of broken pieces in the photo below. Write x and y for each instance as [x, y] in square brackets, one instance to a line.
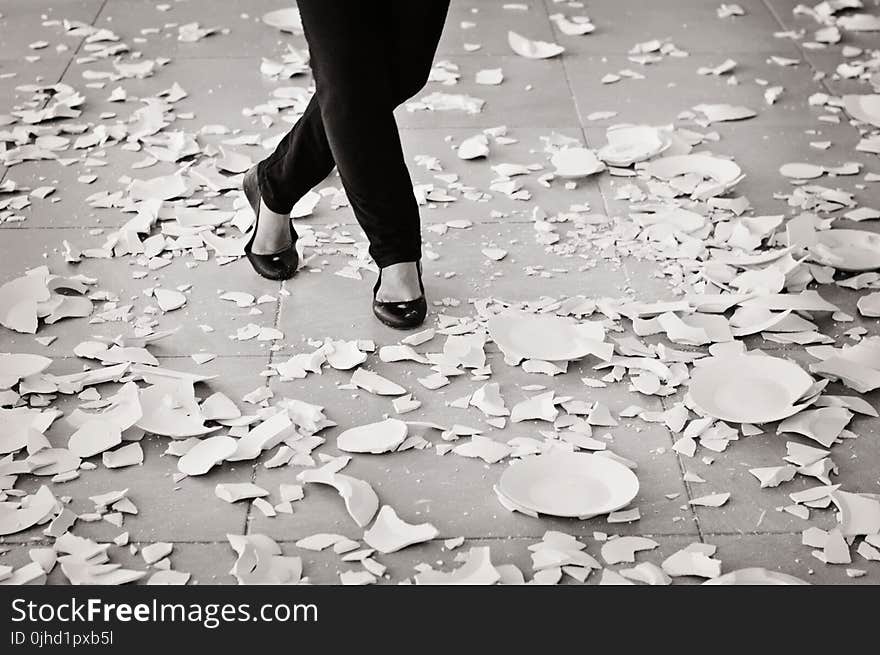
[734, 277]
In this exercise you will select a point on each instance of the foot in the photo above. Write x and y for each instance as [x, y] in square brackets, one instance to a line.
[273, 232]
[400, 283]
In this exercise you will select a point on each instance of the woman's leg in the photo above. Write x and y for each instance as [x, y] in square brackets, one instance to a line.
[367, 59]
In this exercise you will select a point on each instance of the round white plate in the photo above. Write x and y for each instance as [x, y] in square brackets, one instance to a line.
[571, 485]
[755, 576]
[543, 336]
[852, 250]
[749, 388]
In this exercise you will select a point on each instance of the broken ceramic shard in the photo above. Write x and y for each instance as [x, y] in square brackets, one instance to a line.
[532, 49]
[521, 335]
[360, 499]
[389, 533]
[847, 250]
[749, 388]
[865, 108]
[382, 437]
[623, 549]
[560, 483]
[206, 454]
[233, 492]
[629, 144]
[286, 20]
[474, 147]
[576, 162]
[477, 569]
[755, 576]
[375, 383]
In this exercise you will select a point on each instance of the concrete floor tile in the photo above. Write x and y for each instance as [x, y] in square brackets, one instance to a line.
[246, 35]
[534, 93]
[785, 553]
[27, 248]
[24, 22]
[692, 25]
[491, 22]
[673, 86]
[208, 563]
[323, 568]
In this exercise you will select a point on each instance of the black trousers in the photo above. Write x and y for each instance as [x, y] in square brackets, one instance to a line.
[367, 58]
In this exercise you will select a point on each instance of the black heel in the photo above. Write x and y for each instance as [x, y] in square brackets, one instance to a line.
[277, 266]
[401, 315]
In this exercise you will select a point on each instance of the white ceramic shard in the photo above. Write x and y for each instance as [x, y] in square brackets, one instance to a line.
[711, 500]
[489, 76]
[823, 424]
[129, 455]
[628, 144]
[477, 569]
[488, 400]
[489, 450]
[344, 355]
[773, 476]
[865, 108]
[576, 162]
[94, 437]
[206, 454]
[522, 335]
[286, 20]
[869, 305]
[389, 533]
[34, 509]
[560, 483]
[801, 171]
[170, 409]
[718, 113]
[755, 576]
[748, 388]
[360, 499]
[375, 383]
[169, 299]
[623, 549]
[233, 492]
[15, 366]
[377, 438]
[858, 514]
[532, 49]
[691, 562]
[475, 147]
[721, 173]
[264, 436]
[541, 407]
[847, 250]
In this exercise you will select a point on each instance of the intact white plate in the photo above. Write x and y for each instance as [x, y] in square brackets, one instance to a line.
[286, 20]
[755, 576]
[749, 388]
[851, 250]
[571, 485]
[545, 336]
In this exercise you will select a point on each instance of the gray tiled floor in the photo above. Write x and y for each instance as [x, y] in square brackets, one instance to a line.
[221, 76]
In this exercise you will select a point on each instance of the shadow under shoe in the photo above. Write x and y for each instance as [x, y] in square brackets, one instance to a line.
[277, 266]
[403, 315]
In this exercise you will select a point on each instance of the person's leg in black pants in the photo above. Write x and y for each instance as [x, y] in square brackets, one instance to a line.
[367, 58]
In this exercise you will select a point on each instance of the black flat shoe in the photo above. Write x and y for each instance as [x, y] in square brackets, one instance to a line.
[277, 266]
[401, 315]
